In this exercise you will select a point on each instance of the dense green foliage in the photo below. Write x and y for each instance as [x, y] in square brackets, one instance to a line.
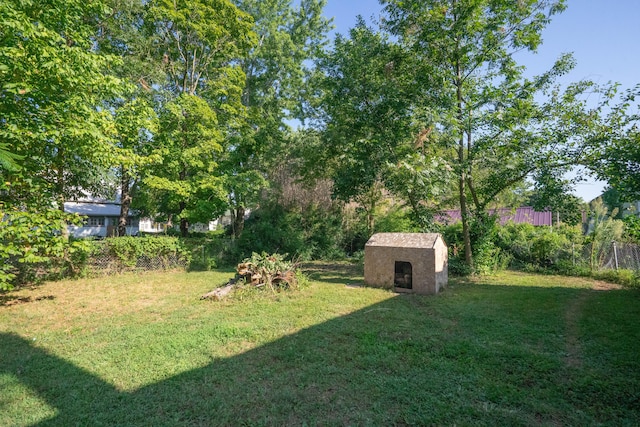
[373, 141]
[616, 152]
[186, 185]
[32, 250]
[52, 81]
[129, 250]
[31, 241]
[632, 228]
[312, 234]
[290, 35]
[498, 126]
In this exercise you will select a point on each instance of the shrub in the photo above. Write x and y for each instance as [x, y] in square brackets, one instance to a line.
[626, 278]
[313, 234]
[33, 248]
[395, 220]
[210, 252]
[540, 248]
[131, 249]
[632, 228]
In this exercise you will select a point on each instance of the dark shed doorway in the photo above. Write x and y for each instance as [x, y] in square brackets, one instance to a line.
[403, 275]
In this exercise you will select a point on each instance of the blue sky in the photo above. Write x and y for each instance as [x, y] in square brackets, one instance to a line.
[603, 35]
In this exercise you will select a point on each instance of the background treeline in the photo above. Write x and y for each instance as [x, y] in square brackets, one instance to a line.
[340, 235]
[188, 109]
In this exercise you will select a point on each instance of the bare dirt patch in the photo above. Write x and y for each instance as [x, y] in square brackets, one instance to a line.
[605, 286]
[572, 320]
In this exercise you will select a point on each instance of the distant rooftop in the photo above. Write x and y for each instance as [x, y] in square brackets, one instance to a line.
[522, 215]
[95, 209]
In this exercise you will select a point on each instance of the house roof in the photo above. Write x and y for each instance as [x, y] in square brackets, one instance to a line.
[521, 215]
[95, 209]
[404, 240]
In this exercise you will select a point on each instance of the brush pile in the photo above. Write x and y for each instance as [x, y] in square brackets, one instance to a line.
[261, 270]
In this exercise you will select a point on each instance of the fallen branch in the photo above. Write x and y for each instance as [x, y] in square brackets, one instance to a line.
[219, 293]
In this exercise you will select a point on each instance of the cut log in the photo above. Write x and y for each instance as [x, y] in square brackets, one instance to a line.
[256, 279]
[219, 293]
[288, 278]
[244, 269]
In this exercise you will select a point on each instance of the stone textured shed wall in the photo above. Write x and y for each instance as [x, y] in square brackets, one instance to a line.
[426, 252]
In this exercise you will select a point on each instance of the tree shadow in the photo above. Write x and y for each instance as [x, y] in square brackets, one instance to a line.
[7, 300]
[339, 273]
[407, 360]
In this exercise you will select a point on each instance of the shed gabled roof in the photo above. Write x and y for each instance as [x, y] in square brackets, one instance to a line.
[404, 240]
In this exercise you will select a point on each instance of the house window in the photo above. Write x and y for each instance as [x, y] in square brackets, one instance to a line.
[95, 221]
[115, 221]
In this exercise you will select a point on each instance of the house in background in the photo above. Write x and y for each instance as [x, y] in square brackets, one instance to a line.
[148, 225]
[522, 215]
[101, 219]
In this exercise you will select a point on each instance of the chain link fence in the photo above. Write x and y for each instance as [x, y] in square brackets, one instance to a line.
[101, 260]
[105, 263]
[614, 256]
[105, 259]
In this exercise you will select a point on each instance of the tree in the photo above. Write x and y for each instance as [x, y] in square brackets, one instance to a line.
[54, 139]
[198, 40]
[121, 33]
[135, 124]
[52, 85]
[185, 185]
[199, 43]
[372, 139]
[498, 126]
[275, 91]
[615, 154]
[552, 192]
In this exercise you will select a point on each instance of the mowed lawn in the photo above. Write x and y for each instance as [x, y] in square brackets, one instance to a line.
[144, 350]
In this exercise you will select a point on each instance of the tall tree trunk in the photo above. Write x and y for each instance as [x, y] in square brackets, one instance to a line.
[184, 227]
[464, 211]
[184, 223]
[60, 184]
[462, 160]
[64, 227]
[125, 201]
[238, 221]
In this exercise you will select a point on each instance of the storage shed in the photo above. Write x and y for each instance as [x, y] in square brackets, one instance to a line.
[406, 262]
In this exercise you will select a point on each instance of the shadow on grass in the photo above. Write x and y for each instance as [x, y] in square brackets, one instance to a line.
[340, 273]
[7, 300]
[495, 357]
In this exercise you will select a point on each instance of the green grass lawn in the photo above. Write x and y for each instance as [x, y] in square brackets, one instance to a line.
[511, 349]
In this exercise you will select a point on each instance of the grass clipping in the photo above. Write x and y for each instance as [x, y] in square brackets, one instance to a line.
[266, 271]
